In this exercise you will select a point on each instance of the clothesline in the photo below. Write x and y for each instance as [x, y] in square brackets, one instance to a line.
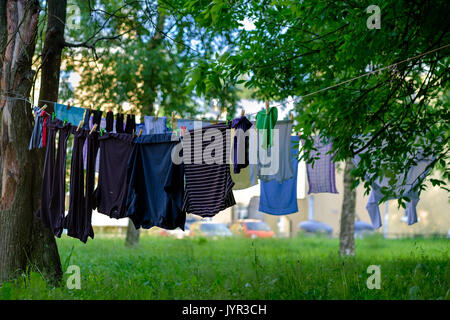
[394, 65]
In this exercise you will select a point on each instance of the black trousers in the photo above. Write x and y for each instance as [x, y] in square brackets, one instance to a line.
[53, 183]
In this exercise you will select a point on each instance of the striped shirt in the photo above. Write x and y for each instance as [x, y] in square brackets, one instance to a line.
[208, 180]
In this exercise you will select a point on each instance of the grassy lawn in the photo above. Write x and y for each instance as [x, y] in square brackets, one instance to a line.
[301, 268]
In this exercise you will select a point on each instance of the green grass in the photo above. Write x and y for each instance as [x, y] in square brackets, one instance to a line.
[301, 268]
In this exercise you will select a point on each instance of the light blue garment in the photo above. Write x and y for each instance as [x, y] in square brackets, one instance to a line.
[153, 125]
[36, 135]
[73, 116]
[404, 187]
[281, 198]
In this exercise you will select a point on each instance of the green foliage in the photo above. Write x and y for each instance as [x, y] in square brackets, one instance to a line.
[295, 48]
[147, 64]
[246, 269]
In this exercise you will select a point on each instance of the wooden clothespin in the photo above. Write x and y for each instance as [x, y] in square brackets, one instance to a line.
[156, 115]
[43, 108]
[217, 118]
[173, 120]
[93, 128]
[267, 106]
[140, 132]
[242, 112]
[80, 124]
[292, 118]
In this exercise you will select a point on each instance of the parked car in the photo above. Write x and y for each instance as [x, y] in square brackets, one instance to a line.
[251, 228]
[315, 227]
[209, 229]
[363, 228]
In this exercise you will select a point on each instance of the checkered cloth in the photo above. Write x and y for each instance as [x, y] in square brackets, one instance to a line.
[321, 176]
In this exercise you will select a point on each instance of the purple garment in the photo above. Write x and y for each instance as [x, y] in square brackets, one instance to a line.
[321, 176]
[240, 143]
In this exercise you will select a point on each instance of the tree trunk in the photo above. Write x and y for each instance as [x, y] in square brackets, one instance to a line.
[132, 238]
[17, 164]
[44, 252]
[347, 233]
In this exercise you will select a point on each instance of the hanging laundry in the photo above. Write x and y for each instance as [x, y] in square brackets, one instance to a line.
[245, 179]
[281, 198]
[404, 187]
[130, 125]
[97, 118]
[87, 117]
[44, 129]
[321, 176]
[53, 193]
[153, 125]
[274, 163]
[109, 126]
[240, 143]
[156, 184]
[208, 184]
[36, 135]
[111, 192]
[93, 146]
[266, 121]
[72, 115]
[119, 123]
[78, 221]
[139, 127]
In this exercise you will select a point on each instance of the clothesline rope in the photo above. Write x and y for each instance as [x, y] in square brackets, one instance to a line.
[394, 65]
[362, 75]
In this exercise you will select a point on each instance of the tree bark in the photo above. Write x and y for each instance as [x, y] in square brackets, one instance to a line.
[17, 164]
[132, 239]
[44, 252]
[347, 232]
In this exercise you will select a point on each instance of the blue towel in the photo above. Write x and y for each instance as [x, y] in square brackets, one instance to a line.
[281, 198]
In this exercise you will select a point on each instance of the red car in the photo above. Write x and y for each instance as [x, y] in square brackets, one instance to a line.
[251, 228]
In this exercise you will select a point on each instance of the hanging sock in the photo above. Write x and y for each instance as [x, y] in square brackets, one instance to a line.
[78, 221]
[36, 135]
[281, 198]
[241, 143]
[109, 121]
[156, 185]
[53, 184]
[321, 177]
[130, 125]
[97, 118]
[119, 123]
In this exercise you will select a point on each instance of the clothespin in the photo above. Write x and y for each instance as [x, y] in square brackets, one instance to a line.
[140, 132]
[98, 108]
[242, 112]
[292, 118]
[156, 115]
[43, 108]
[101, 131]
[173, 120]
[64, 122]
[80, 124]
[217, 118]
[93, 128]
[68, 106]
[53, 116]
[267, 106]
